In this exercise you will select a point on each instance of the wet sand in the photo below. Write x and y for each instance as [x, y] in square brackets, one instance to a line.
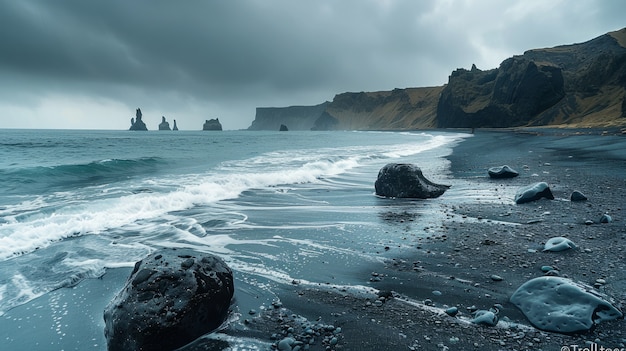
[454, 264]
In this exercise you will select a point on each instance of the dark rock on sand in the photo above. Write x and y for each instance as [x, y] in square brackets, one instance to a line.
[558, 243]
[171, 298]
[406, 181]
[502, 172]
[605, 218]
[283, 128]
[533, 192]
[484, 317]
[164, 125]
[578, 196]
[560, 305]
[136, 123]
[212, 124]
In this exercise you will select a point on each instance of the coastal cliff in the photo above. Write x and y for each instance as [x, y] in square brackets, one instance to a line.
[294, 117]
[581, 85]
[578, 85]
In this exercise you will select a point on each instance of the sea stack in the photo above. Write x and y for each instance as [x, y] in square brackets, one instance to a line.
[164, 125]
[212, 124]
[137, 123]
[175, 126]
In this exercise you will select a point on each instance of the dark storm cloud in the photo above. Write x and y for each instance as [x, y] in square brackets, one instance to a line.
[178, 55]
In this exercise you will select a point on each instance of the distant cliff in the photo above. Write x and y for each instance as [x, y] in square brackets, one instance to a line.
[579, 85]
[410, 108]
[293, 117]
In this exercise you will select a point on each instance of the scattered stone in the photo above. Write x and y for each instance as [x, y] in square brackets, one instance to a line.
[589, 222]
[502, 172]
[577, 196]
[402, 180]
[484, 317]
[558, 243]
[560, 305]
[168, 302]
[605, 219]
[547, 269]
[286, 344]
[496, 278]
[533, 192]
[452, 311]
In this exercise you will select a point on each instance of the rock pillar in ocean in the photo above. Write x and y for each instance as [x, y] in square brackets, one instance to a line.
[406, 181]
[171, 298]
[137, 123]
[164, 125]
[175, 126]
[212, 124]
[283, 128]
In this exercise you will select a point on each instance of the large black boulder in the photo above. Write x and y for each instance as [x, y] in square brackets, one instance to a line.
[171, 298]
[406, 181]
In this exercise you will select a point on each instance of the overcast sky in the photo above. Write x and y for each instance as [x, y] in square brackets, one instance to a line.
[89, 64]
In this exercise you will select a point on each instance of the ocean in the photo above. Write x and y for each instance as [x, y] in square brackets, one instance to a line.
[78, 208]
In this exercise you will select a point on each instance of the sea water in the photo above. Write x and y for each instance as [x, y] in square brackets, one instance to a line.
[278, 207]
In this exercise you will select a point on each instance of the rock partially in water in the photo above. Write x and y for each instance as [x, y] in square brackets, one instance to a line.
[533, 192]
[558, 243]
[560, 305]
[164, 125]
[283, 128]
[212, 124]
[577, 196]
[502, 172]
[171, 298]
[136, 123]
[405, 180]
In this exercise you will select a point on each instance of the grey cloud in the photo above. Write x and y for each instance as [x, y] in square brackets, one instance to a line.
[251, 53]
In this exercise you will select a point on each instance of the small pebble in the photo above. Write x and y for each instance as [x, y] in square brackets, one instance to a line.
[452, 311]
[496, 278]
[606, 218]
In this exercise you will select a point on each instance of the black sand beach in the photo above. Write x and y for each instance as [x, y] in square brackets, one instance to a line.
[454, 265]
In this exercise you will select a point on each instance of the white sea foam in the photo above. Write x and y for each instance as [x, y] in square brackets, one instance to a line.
[26, 229]
[140, 214]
